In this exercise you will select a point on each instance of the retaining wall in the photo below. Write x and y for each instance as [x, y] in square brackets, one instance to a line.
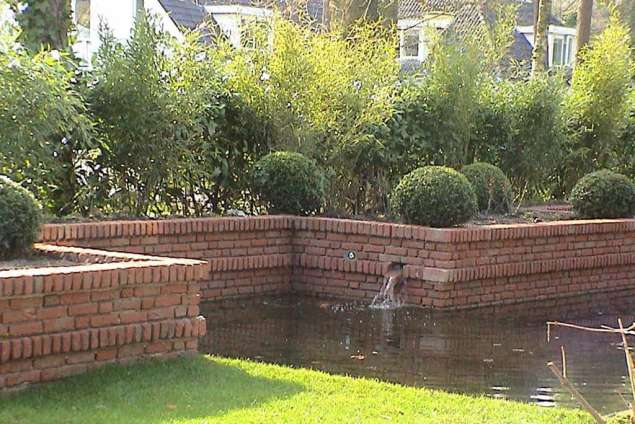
[110, 307]
[445, 268]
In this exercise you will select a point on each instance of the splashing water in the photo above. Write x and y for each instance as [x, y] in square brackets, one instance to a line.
[392, 294]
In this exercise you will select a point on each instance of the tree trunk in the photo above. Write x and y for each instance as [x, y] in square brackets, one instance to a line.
[583, 30]
[536, 8]
[44, 23]
[541, 40]
[627, 11]
[349, 11]
[326, 15]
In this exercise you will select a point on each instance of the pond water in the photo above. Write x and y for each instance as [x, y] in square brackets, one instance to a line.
[498, 352]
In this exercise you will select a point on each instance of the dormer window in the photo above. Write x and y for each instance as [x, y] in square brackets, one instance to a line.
[410, 39]
[562, 51]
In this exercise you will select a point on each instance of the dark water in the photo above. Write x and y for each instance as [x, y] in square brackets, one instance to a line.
[498, 352]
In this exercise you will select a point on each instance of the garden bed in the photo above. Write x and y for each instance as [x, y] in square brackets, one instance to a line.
[34, 262]
[94, 307]
[445, 268]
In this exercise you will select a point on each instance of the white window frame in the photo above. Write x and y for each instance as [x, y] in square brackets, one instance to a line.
[430, 22]
[403, 35]
[566, 54]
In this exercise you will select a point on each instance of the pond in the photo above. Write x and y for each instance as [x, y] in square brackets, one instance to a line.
[499, 352]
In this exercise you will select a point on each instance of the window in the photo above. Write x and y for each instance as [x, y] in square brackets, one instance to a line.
[562, 51]
[410, 42]
[570, 52]
[82, 15]
[558, 51]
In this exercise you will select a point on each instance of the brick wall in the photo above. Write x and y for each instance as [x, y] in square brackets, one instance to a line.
[445, 268]
[467, 267]
[110, 307]
[245, 256]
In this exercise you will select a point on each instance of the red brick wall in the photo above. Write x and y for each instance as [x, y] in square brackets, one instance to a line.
[468, 267]
[55, 322]
[245, 256]
[445, 268]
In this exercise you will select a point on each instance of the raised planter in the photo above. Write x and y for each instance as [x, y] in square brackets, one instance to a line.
[110, 307]
[445, 268]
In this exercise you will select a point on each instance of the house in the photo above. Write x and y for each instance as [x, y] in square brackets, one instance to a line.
[236, 18]
[174, 16]
[418, 19]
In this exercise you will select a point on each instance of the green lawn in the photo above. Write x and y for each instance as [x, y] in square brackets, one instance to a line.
[214, 390]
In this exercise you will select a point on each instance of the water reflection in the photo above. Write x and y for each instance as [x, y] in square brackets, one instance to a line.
[500, 352]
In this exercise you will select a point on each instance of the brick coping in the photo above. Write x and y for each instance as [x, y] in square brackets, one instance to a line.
[94, 261]
[142, 228]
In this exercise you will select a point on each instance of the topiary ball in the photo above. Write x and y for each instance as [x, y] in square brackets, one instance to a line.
[604, 194]
[20, 219]
[289, 183]
[491, 186]
[435, 196]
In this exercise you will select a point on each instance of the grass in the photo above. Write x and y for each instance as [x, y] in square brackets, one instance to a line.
[210, 390]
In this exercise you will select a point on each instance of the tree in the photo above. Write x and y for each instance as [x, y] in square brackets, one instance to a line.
[627, 11]
[345, 12]
[45, 23]
[585, 12]
[540, 54]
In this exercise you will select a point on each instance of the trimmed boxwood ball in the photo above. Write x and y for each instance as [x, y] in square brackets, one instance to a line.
[289, 183]
[434, 196]
[604, 194]
[20, 219]
[491, 186]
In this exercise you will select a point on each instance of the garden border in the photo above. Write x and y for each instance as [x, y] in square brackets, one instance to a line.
[446, 268]
[110, 307]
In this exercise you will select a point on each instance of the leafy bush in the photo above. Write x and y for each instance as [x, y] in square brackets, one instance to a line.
[527, 145]
[289, 183]
[491, 185]
[435, 196]
[317, 93]
[19, 218]
[173, 134]
[597, 105]
[434, 117]
[604, 194]
[45, 130]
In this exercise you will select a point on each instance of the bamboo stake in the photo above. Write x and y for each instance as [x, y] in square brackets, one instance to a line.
[603, 329]
[564, 362]
[629, 364]
[563, 381]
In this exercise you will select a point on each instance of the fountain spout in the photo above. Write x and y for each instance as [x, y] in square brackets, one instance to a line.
[392, 294]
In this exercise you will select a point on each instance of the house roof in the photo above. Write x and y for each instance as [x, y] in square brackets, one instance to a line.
[521, 49]
[525, 15]
[185, 13]
[474, 16]
[412, 9]
[314, 9]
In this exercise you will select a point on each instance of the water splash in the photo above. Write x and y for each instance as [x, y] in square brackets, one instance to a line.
[392, 294]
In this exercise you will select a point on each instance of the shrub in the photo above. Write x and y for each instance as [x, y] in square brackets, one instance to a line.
[491, 185]
[289, 183]
[598, 103]
[175, 140]
[19, 218]
[436, 196]
[45, 131]
[604, 194]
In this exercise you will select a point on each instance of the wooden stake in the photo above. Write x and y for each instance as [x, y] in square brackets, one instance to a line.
[564, 362]
[576, 394]
[629, 364]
